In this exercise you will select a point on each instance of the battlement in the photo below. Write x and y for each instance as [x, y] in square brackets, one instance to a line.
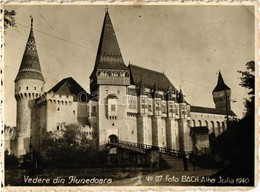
[53, 98]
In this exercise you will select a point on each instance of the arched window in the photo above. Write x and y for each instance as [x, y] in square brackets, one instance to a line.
[199, 123]
[194, 123]
[223, 126]
[109, 73]
[212, 127]
[206, 124]
[218, 128]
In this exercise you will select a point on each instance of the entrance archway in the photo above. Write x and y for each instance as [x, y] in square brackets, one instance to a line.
[113, 139]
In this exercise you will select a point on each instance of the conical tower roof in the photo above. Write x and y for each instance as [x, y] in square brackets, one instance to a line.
[30, 67]
[109, 55]
[221, 86]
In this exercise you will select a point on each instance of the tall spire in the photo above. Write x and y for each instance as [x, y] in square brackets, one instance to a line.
[30, 67]
[109, 55]
[221, 86]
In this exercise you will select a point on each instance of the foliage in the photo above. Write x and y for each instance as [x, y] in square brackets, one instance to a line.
[70, 147]
[10, 160]
[9, 19]
[236, 145]
[248, 82]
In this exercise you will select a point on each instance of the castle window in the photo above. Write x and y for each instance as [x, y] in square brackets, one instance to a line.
[113, 124]
[58, 109]
[113, 107]
[34, 88]
[27, 88]
[19, 88]
[106, 91]
[73, 112]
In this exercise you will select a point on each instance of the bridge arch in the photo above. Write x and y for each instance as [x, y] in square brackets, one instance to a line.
[113, 138]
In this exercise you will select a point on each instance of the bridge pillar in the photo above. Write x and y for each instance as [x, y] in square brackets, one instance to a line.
[153, 157]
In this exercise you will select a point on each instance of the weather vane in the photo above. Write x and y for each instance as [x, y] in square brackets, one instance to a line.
[106, 9]
[31, 20]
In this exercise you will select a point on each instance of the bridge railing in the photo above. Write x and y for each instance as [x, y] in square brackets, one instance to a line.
[162, 150]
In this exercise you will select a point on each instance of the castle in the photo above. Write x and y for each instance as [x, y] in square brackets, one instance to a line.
[126, 103]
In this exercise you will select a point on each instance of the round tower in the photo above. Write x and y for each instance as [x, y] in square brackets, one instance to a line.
[29, 84]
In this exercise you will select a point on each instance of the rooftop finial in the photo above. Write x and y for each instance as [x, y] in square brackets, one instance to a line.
[31, 21]
[106, 9]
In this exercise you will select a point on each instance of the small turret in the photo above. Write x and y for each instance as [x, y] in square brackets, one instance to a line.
[155, 91]
[181, 97]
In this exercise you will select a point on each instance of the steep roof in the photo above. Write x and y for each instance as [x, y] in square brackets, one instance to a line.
[221, 86]
[30, 67]
[197, 109]
[149, 78]
[108, 55]
[69, 86]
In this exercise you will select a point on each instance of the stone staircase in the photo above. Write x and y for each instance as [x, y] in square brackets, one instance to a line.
[175, 163]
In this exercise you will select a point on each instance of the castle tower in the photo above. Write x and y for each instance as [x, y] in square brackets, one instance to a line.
[109, 81]
[185, 142]
[157, 118]
[171, 123]
[221, 95]
[28, 86]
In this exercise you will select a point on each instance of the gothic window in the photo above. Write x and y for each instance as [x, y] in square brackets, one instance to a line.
[109, 73]
[127, 74]
[27, 88]
[199, 123]
[34, 88]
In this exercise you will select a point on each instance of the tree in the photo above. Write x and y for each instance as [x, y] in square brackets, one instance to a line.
[237, 145]
[9, 19]
[248, 82]
[68, 147]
